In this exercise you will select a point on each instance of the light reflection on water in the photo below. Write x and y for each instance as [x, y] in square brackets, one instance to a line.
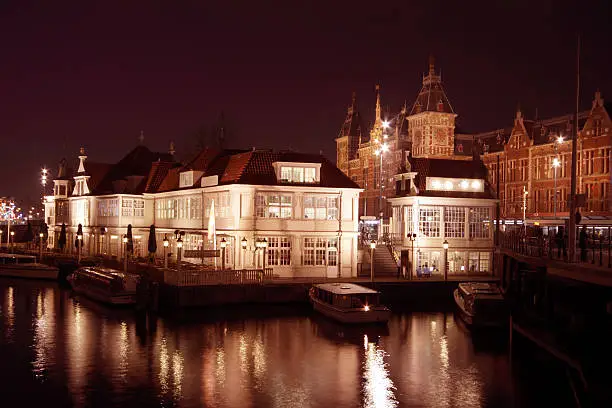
[90, 355]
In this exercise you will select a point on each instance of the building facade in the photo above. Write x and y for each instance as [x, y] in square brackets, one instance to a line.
[531, 163]
[417, 175]
[301, 204]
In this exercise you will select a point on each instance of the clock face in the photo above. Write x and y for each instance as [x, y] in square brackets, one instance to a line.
[440, 136]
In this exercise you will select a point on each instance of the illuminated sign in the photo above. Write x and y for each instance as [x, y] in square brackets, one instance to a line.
[455, 184]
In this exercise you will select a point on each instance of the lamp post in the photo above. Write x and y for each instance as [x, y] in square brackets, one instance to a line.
[40, 236]
[125, 241]
[379, 152]
[372, 248]
[223, 245]
[80, 242]
[445, 246]
[166, 244]
[243, 244]
[12, 240]
[412, 238]
[264, 246]
[556, 163]
[1, 232]
[525, 192]
[179, 245]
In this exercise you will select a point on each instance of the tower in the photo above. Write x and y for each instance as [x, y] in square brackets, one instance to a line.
[349, 138]
[432, 119]
[80, 180]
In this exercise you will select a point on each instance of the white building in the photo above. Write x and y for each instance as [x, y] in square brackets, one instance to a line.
[442, 201]
[301, 204]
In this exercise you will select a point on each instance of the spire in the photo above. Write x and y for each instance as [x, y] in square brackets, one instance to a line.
[61, 173]
[171, 149]
[378, 119]
[82, 158]
[141, 137]
[432, 61]
[353, 106]
[598, 101]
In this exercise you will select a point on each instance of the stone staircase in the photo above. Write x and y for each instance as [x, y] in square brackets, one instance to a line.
[385, 265]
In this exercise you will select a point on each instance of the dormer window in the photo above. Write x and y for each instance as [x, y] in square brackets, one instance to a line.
[307, 173]
[186, 179]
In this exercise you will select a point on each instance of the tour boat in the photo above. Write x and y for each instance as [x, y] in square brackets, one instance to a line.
[480, 304]
[25, 266]
[348, 303]
[105, 285]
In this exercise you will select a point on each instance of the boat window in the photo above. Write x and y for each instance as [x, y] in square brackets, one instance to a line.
[26, 260]
[10, 260]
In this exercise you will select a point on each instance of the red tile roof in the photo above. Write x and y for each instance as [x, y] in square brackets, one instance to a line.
[256, 167]
[158, 172]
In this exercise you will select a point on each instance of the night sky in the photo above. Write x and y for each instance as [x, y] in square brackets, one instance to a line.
[96, 73]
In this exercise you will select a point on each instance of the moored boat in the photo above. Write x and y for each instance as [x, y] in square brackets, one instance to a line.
[25, 266]
[349, 303]
[105, 285]
[480, 304]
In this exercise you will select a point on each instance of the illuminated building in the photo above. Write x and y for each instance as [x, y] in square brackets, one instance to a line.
[304, 208]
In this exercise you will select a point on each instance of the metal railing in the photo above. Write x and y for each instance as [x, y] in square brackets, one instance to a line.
[514, 207]
[205, 277]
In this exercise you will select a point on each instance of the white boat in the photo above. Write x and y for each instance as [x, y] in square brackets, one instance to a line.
[105, 285]
[25, 266]
[480, 304]
[348, 303]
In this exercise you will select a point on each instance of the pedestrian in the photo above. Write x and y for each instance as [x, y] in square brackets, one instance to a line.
[583, 244]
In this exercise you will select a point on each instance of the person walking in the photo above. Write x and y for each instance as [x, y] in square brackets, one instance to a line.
[583, 244]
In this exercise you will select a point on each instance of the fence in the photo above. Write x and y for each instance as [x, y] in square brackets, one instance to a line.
[514, 207]
[190, 276]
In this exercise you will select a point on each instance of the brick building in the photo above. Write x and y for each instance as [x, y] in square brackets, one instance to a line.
[532, 159]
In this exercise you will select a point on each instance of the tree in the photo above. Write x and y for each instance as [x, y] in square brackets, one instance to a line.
[29, 235]
[152, 246]
[130, 243]
[61, 241]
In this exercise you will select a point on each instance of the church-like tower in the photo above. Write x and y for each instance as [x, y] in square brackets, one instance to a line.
[349, 138]
[432, 119]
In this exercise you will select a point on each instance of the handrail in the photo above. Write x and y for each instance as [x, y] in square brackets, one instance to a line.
[203, 277]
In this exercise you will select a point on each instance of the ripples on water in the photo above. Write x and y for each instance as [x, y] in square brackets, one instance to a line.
[56, 350]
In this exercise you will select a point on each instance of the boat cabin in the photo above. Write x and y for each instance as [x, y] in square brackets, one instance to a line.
[106, 279]
[483, 298]
[346, 295]
[14, 259]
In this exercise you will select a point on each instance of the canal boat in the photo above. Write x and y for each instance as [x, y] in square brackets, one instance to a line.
[25, 266]
[480, 304]
[349, 303]
[105, 285]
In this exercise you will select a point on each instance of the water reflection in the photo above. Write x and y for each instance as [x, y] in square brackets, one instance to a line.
[85, 355]
[378, 389]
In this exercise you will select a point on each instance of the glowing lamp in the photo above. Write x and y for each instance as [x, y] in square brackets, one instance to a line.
[475, 184]
[556, 162]
[166, 242]
[12, 233]
[372, 245]
[79, 237]
[243, 242]
[264, 243]
[384, 148]
[448, 185]
[41, 235]
[445, 244]
[125, 239]
[464, 184]
[179, 243]
[560, 139]
[366, 308]
[223, 243]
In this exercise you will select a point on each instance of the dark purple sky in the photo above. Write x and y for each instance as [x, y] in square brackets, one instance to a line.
[95, 73]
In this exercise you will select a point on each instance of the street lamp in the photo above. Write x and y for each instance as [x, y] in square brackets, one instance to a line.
[12, 240]
[40, 236]
[166, 244]
[80, 242]
[556, 163]
[179, 245]
[445, 246]
[264, 245]
[525, 192]
[379, 152]
[243, 243]
[412, 238]
[125, 241]
[372, 248]
[223, 245]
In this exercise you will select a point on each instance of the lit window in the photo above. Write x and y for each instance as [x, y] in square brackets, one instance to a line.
[298, 174]
[273, 205]
[480, 219]
[320, 207]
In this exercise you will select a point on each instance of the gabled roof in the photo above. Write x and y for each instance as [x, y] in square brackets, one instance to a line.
[468, 169]
[137, 162]
[158, 172]
[256, 167]
[431, 97]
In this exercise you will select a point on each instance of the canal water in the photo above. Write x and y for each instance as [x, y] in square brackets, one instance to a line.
[64, 351]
